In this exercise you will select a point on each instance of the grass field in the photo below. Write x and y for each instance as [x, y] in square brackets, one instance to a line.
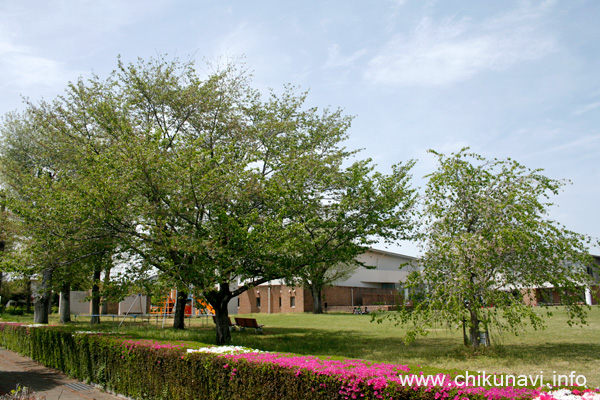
[559, 348]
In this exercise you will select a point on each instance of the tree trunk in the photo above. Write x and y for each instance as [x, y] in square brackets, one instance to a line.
[222, 323]
[65, 304]
[316, 290]
[103, 306]
[2, 242]
[179, 316]
[28, 294]
[96, 297]
[40, 315]
[2, 247]
[474, 328]
[106, 282]
[218, 300]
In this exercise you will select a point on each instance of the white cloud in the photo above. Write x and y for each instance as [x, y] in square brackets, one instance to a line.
[584, 142]
[452, 50]
[29, 57]
[335, 59]
[396, 6]
[90, 16]
[586, 108]
[239, 40]
[30, 70]
[22, 68]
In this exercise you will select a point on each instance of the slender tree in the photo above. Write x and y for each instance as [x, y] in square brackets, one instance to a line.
[488, 243]
[43, 297]
[3, 230]
[64, 311]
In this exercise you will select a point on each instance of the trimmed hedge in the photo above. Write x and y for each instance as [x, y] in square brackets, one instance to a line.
[147, 372]
[151, 370]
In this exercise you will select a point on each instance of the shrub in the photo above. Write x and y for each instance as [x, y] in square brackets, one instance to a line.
[153, 370]
[15, 310]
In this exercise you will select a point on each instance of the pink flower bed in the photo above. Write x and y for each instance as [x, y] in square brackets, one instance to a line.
[384, 379]
[154, 344]
[387, 381]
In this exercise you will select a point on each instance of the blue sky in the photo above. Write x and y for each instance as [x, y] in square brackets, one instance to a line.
[516, 79]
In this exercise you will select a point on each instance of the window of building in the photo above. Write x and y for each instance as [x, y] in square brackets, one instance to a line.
[258, 302]
[280, 302]
[388, 286]
[292, 301]
[238, 301]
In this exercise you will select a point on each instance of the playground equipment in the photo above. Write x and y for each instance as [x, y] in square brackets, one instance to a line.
[193, 306]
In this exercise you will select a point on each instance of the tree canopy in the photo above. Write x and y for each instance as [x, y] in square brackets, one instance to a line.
[57, 235]
[355, 213]
[488, 242]
[206, 180]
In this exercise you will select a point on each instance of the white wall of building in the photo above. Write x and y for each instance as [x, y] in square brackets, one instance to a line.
[79, 304]
[135, 304]
[387, 269]
[232, 306]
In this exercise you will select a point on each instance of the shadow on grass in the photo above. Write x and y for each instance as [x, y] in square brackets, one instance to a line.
[561, 351]
[353, 344]
[358, 344]
[346, 343]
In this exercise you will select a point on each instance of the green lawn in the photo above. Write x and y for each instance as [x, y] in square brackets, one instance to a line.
[559, 348]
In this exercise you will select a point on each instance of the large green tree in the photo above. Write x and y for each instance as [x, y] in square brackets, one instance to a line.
[488, 242]
[357, 209]
[203, 179]
[250, 175]
[57, 234]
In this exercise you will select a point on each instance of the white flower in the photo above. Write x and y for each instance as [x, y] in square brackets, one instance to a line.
[225, 350]
[566, 394]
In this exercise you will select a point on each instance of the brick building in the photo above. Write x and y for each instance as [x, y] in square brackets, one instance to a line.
[370, 287]
[547, 295]
[366, 287]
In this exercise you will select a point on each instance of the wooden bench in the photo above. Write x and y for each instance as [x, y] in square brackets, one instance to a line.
[244, 323]
[231, 324]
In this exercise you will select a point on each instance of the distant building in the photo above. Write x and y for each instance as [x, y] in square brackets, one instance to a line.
[378, 287]
[81, 304]
[547, 295]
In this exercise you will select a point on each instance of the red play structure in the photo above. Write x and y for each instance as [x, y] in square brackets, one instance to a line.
[192, 307]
